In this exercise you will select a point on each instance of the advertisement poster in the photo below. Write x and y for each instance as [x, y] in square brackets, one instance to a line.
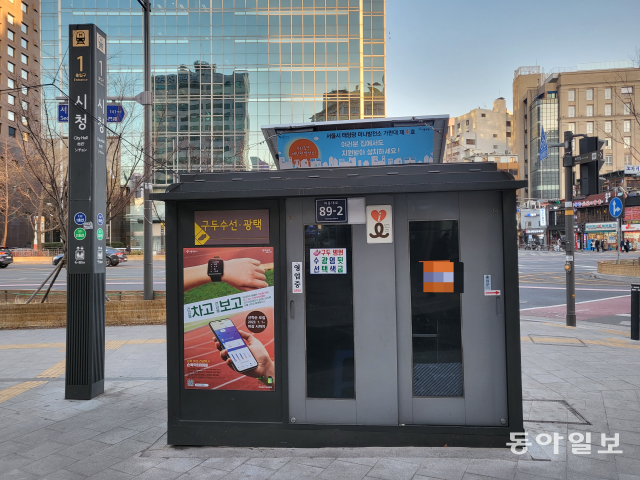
[328, 261]
[351, 148]
[229, 318]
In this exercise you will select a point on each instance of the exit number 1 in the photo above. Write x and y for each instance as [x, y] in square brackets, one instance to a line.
[331, 210]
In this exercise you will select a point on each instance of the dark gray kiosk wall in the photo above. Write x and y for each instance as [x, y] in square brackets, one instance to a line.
[84, 377]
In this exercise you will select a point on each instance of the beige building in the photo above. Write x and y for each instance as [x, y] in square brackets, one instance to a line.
[20, 59]
[597, 102]
[483, 135]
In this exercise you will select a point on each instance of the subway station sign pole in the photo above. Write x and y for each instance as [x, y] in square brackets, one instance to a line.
[86, 243]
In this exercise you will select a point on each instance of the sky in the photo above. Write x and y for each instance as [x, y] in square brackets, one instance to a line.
[451, 57]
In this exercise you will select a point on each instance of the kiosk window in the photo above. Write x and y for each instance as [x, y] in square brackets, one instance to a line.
[329, 312]
[435, 309]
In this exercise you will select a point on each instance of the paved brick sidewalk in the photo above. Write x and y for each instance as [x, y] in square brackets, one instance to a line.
[584, 380]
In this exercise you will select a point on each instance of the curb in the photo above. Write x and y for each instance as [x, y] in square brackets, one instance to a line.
[617, 278]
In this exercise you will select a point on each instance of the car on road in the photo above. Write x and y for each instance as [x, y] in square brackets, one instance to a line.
[112, 256]
[6, 257]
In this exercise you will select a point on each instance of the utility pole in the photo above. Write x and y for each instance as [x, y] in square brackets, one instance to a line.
[148, 166]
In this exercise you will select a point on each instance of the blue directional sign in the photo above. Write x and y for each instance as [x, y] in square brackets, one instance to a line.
[115, 113]
[63, 113]
[544, 152]
[79, 218]
[615, 207]
[100, 219]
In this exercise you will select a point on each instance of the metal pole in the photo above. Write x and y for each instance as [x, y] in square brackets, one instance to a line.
[568, 212]
[635, 312]
[148, 167]
[618, 238]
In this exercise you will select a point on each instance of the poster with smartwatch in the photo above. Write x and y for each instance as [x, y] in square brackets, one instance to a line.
[229, 318]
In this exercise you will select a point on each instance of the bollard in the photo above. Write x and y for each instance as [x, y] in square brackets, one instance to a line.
[635, 312]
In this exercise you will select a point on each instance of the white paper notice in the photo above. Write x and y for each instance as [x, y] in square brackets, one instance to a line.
[296, 277]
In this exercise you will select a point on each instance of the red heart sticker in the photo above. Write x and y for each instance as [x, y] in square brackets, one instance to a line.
[378, 215]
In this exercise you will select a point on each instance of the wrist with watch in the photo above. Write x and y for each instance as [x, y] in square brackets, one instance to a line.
[215, 269]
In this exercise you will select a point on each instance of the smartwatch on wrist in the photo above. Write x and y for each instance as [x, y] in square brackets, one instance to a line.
[215, 269]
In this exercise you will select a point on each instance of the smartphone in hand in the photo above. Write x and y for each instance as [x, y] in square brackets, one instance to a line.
[230, 339]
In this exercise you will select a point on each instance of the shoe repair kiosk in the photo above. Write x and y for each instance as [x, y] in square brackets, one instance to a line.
[371, 306]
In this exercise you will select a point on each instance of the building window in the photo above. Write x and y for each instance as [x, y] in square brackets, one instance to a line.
[25, 105]
[571, 127]
[589, 127]
[24, 44]
[11, 35]
[25, 74]
[608, 160]
[607, 127]
[572, 95]
[607, 110]
[589, 93]
[626, 90]
[495, 135]
[627, 159]
[458, 126]
[508, 123]
[25, 8]
[607, 143]
[11, 116]
[24, 59]
[11, 51]
[24, 28]
[25, 90]
[496, 159]
[12, 132]
[11, 99]
[24, 121]
[11, 67]
[11, 83]
[466, 123]
[627, 109]
[572, 110]
[589, 110]
[607, 93]
[627, 142]
[508, 134]
[484, 115]
[25, 136]
[10, 18]
[495, 147]
[470, 141]
[627, 126]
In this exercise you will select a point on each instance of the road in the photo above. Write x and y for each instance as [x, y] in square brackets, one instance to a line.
[542, 288]
[126, 276]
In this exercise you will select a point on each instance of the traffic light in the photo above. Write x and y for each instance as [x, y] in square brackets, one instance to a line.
[590, 183]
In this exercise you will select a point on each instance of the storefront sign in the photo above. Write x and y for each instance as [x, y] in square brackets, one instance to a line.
[351, 148]
[231, 227]
[593, 200]
[235, 314]
[331, 210]
[379, 224]
[543, 217]
[631, 227]
[327, 261]
[632, 169]
[606, 226]
[535, 231]
[632, 213]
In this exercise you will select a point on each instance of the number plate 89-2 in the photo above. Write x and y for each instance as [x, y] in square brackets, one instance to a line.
[331, 210]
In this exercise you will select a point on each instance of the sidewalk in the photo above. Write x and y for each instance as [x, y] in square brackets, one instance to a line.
[583, 380]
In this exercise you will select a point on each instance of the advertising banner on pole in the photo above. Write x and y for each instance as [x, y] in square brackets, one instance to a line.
[351, 148]
[229, 318]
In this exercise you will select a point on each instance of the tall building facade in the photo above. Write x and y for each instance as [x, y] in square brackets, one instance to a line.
[597, 100]
[483, 135]
[223, 68]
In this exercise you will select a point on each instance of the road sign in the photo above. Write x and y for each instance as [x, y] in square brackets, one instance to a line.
[115, 113]
[100, 219]
[79, 233]
[544, 149]
[615, 207]
[63, 113]
[588, 157]
[79, 218]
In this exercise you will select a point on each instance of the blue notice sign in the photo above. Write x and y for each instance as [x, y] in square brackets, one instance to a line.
[615, 207]
[100, 219]
[79, 218]
[63, 113]
[115, 113]
[544, 149]
[351, 148]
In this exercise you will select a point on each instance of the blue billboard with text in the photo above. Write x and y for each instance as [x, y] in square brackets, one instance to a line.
[356, 148]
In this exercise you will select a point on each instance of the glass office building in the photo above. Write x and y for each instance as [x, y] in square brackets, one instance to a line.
[545, 174]
[223, 68]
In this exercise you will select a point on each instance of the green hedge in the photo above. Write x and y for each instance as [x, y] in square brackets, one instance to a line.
[52, 245]
[116, 245]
